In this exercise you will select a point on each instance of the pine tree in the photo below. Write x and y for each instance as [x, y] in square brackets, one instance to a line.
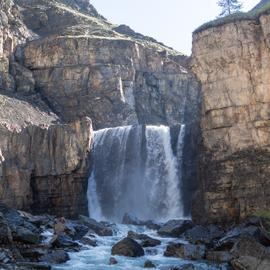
[229, 6]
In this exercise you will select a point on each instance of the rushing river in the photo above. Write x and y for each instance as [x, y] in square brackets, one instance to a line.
[97, 258]
[136, 170]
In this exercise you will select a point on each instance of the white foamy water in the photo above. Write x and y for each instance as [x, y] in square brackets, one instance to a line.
[136, 172]
[97, 258]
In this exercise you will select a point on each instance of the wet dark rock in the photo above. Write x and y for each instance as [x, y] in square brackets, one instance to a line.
[56, 257]
[206, 235]
[128, 247]
[249, 254]
[219, 256]
[80, 231]
[88, 241]
[24, 235]
[149, 264]
[145, 240]
[188, 266]
[34, 254]
[40, 220]
[185, 251]
[5, 256]
[113, 261]
[30, 265]
[130, 220]
[253, 220]
[152, 226]
[63, 226]
[231, 237]
[175, 228]
[63, 241]
[97, 227]
[5, 232]
[12, 216]
[150, 242]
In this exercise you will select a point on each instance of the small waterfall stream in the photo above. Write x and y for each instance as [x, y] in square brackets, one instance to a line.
[135, 171]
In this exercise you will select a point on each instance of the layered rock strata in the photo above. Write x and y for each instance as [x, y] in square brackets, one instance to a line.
[44, 169]
[232, 63]
[63, 61]
[85, 66]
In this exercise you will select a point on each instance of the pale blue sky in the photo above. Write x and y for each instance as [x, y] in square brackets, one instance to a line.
[169, 21]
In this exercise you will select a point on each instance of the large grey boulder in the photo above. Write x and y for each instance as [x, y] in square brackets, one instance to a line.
[250, 255]
[175, 228]
[127, 247]
[185, 251]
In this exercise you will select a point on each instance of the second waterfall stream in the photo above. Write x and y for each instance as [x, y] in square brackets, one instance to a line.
[136, 171]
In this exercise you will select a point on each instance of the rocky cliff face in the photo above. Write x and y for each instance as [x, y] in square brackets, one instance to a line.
[85, 66]
[232, 63]
[43, 162]
[44, 169]
[63, 61]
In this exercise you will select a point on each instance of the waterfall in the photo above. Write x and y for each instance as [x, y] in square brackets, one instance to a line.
[135, 171]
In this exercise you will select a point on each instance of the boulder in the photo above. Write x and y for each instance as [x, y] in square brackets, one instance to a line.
[130, 220]
[248, 254]
[218, 256]
[175, 228]
[127, 247]
[205, 235]
[12, 216]
[35, 266]
[152, 226]
[188, 266]
[95, 226]
[113, 261]
[185, 251]
[5, 256]
[56, 257]
[80, 231]
[88, 241]
[33, 253]
[231, 237]
[149, 264]
[5, 232]
[144, 240]
[61, 227]
[46, 221]
[63, 241]
[24, 235]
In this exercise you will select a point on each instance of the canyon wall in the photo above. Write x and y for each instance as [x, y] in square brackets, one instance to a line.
[232, 61]
[62, 61]
[44, 163]
[44, 169]
[85, 66]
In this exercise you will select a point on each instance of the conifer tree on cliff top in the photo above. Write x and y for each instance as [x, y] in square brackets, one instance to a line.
[229, 6]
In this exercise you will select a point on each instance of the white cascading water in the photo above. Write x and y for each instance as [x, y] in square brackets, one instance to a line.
[162, 178]
[136, 172]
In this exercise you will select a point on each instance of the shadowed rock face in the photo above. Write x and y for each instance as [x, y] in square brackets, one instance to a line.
[232, 63]
[44, 169]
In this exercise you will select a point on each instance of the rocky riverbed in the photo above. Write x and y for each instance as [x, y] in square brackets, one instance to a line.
[48, 242]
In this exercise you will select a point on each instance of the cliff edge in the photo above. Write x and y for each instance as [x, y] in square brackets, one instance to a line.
[232, 62]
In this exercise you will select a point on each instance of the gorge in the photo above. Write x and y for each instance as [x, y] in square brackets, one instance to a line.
[129, 139]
